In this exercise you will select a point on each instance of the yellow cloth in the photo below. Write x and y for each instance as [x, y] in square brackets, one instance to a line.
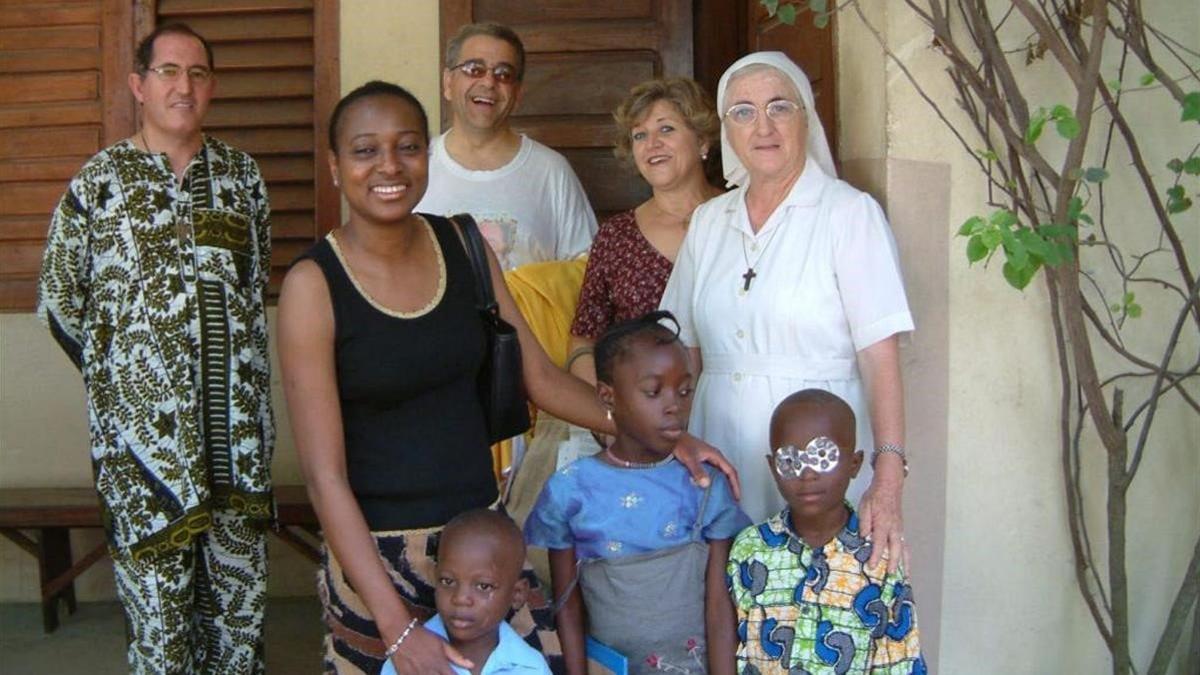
[546, 293]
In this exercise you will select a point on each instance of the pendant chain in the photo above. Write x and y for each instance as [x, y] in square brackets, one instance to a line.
[750, 274]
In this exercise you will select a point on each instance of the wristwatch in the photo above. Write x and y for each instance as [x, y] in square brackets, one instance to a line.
[894, 448]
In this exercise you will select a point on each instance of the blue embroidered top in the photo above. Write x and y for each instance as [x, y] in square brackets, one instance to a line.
[607, 512]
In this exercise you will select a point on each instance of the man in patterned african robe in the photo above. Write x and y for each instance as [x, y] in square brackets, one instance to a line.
[153, 283]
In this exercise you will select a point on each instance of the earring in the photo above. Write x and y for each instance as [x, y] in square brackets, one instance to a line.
[608, 414]
[336, 182]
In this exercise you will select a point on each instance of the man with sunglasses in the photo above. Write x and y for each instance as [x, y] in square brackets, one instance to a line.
[153, 283]
[528, 202]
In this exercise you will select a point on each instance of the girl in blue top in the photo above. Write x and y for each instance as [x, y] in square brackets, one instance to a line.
[633, 542]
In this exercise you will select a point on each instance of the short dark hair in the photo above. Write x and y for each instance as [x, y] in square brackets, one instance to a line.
[616, 342]
[369, 90]
[489, 29]
[145, 49]
[481, 522]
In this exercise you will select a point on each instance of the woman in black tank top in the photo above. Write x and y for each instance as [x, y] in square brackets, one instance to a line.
[380, 343]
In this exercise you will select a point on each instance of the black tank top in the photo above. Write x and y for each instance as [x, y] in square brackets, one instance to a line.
[416, 445]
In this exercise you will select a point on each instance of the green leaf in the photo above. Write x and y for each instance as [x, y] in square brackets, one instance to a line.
[986, 154]
[1068, 127]
[1129, 304]
[1059, 112]
[1191, 107]
[1068, 232]
[1019, 276]
[976, 250]
[1115, 85]
[972, 225]
[1035, 244]
[821, 20]
[1015, 251]
[991, 238]
[1095, 174]
[1075, 211]
[1036, 123]
[1147, 79]
[1177, 200]
[1003, 218]
[1192, 166]
[1175, 165]
[772, 6]
[1074, 207]
[818, 6]
[787, 14]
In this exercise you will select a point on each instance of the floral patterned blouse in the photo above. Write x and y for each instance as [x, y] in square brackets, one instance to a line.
[625, 277]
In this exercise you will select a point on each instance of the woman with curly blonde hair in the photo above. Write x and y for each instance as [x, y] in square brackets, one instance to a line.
[666, 129]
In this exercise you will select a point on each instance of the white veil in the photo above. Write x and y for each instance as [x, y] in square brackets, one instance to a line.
[817, 144]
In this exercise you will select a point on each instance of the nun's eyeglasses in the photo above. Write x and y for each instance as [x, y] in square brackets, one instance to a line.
[779, 110]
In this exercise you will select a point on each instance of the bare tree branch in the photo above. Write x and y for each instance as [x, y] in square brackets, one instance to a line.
[1184, 600]
[1044, 30]
[1140, 446]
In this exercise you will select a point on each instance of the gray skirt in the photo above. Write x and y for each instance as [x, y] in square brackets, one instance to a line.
[650, 606]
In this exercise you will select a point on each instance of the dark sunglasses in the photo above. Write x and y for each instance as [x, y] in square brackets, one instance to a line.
[475, 69]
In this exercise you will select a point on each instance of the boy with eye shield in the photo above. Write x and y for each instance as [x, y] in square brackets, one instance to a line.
[805, 598]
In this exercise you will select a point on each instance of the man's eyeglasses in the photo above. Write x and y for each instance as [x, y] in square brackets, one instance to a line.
[779, 110]
[171, 72]
[475, 69]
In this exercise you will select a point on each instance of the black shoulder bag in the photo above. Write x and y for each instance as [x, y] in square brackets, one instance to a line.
[501, 387]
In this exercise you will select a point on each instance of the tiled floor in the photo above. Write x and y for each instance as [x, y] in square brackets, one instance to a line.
[92, 640]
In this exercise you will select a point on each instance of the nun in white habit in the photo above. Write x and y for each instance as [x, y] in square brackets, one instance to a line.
[791, 281]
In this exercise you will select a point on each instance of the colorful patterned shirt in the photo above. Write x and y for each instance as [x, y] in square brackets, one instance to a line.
[820, 610]
[625, 277]
[155, 289]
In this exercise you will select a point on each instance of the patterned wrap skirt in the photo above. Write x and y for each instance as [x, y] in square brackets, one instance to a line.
[352, 641]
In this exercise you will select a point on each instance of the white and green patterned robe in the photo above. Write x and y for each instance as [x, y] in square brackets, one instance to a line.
[156, 289]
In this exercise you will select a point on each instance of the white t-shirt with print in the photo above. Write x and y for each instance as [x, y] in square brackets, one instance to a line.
[532, 209]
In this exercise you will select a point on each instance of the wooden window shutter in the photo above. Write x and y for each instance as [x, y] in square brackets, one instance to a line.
[277, 83]
[63, 97]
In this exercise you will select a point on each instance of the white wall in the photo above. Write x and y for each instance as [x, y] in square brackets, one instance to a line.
[1009, 602]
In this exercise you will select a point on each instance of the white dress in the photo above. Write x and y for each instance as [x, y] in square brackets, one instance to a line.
[827, 285]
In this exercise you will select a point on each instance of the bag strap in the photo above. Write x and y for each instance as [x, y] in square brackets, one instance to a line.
[473, 243]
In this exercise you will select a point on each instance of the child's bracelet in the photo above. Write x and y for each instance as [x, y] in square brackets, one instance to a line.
[391, 651]
[582, 351]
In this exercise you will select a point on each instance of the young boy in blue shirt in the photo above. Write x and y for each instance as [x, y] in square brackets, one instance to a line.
[479, 562]
[805, 598]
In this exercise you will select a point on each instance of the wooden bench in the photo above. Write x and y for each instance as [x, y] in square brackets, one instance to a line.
[52, 512]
